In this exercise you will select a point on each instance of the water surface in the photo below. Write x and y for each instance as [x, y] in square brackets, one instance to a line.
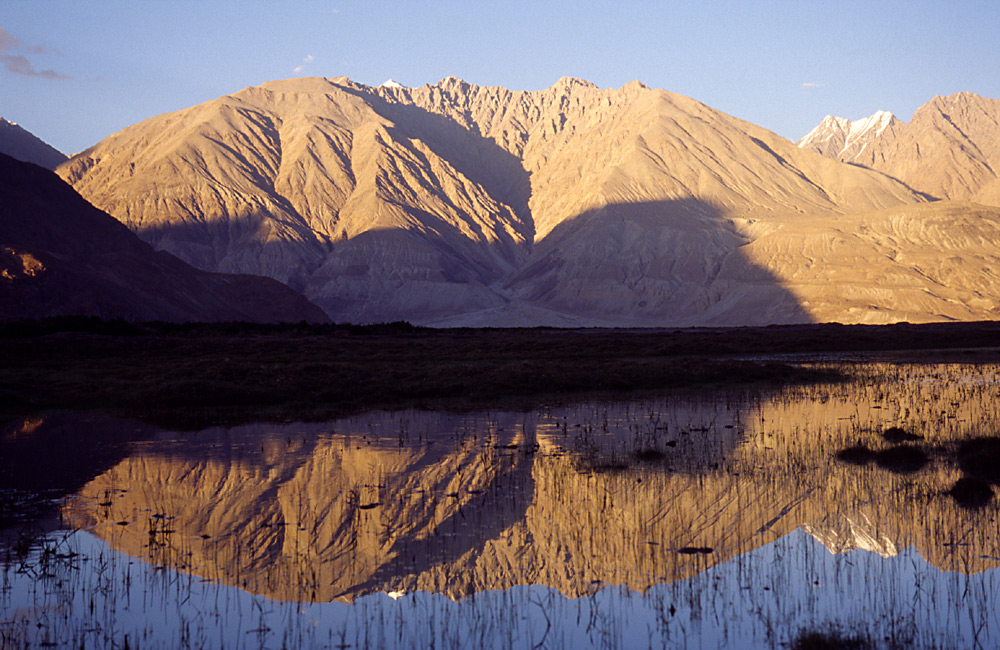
[717, 519]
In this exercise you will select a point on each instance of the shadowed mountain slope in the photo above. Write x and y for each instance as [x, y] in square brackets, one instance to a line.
[456, 204]
[19, 143]
[61, 256]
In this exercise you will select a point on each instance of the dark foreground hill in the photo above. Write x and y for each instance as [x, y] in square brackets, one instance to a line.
[17, 142]
[59, 256]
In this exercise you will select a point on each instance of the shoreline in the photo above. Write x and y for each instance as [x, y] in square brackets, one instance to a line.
[217, 373]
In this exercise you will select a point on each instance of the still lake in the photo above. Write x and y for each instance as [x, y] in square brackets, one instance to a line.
[710, 519]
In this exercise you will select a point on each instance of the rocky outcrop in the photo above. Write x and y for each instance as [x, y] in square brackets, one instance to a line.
[950, 149]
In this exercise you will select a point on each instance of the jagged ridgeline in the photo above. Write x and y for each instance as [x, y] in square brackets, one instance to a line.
[950, 149]
[455, 204]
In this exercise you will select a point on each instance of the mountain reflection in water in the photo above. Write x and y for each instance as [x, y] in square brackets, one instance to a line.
[577, 499]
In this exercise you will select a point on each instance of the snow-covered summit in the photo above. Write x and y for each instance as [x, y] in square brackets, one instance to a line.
[847, 140]
[843, 533]
[389, 83]
[828, 137]
[863, 131]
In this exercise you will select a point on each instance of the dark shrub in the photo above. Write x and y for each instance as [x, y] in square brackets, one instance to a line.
[829, 640]
[649, 455]
[903, 459]
[896, 435]
[856, 455]
[980, 458]
[971, 492]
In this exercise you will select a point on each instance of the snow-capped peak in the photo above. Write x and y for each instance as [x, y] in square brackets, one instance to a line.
[389, 83]
[864, 131]
[843, 533]
[877, 123]
[844, 139]
[830, 128]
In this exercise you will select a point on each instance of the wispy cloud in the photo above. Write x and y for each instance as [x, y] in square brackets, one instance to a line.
[309, 58]
[812, 84]
[22, 66]
[8, 41]
[14, 58]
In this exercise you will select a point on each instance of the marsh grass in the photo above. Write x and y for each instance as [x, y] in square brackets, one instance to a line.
[831, 639]
[195, 375]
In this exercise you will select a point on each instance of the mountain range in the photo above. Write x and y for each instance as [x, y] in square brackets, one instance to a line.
[456, 204]
[949, 150]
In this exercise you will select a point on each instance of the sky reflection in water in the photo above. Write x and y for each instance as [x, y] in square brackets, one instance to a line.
[694, 521]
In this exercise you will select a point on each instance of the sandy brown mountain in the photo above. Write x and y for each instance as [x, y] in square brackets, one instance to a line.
[61, 256]
[950, 149]
[459, 204]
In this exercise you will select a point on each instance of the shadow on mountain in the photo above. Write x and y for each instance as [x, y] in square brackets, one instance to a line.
[670, 263]
[244, 245]
[648, 264]
[423, 272]
[417, 274]
[395, 274]
[654, 263]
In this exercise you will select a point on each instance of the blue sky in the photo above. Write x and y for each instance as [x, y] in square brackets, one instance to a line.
[73, 72]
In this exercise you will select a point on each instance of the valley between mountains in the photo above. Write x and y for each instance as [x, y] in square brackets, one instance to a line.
[459, 205]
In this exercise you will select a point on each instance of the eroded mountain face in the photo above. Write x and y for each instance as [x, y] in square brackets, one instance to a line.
[455, 204]
[635, 493]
